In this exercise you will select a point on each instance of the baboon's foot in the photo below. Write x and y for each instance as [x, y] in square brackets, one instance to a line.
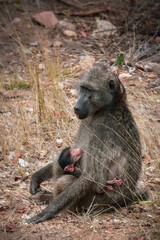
[42, 198]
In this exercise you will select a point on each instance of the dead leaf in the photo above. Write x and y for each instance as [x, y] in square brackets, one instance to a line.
[21, 210]
[151, 75]
[148, 159]
[140, 238]
[3, 208]
[46, 18]
[10, 227]
[156, 181]
[158, 39]
[14, 160]
[17, 179]
[57, 113]
[18, 154]
[110, 228]
[83, 33]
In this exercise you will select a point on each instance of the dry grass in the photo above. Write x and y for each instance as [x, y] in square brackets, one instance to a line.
[40, 121]
[42, 115]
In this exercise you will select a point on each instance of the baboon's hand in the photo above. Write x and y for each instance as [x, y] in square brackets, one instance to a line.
[34, 187]
[41, 217]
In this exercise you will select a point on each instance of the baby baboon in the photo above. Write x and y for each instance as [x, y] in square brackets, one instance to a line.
[67, 164]
[65, 171]
[109, 139]
[68, 161]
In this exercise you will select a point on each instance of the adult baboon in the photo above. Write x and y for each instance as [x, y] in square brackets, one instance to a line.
[109, 139]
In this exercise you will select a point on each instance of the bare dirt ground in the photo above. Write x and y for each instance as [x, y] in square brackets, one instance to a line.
[39, 70]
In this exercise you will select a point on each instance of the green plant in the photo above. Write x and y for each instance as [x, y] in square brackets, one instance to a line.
[20, 84]
[120, 60]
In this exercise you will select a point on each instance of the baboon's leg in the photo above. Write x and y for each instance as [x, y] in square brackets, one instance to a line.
[107, 201]
[40, 176]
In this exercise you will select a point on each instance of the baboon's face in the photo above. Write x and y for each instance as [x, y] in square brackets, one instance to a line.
[69, 158]
[98, 89]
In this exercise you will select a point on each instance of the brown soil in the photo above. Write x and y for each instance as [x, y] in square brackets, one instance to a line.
[36, 137]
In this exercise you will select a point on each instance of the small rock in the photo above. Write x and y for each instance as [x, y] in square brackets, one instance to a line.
[57, 44]
[113, 60]
[46, 18]
[9, 124]
[66, 25]
[95, 223]
[34, 44]
[150, 170]
[114, 68]
[43, 153]
[17, 20]
[69, 33]
[61, 85]
[27, 51]
[104, 28]
[22, 162]
[29, 109]
[155, 67]
[131, 69]
[59, 140]
[41, 66]
[11, 155]
[73, 92]
[86, 62]
[8, 114]
[124, 75]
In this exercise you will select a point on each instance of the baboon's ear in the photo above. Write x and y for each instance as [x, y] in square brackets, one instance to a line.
[122, 89]
[111, 86]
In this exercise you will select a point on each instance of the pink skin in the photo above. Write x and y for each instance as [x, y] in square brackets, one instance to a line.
[117, 182]
[69, 168]
[76, 155]
[108, 187]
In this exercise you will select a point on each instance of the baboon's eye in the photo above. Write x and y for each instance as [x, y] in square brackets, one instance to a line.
[111, 85]
[86, 89]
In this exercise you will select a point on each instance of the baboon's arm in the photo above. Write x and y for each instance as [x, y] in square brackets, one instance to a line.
[67, 198]
[41, 175]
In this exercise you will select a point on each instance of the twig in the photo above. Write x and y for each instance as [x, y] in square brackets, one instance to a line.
[73, 3]
[90, 12]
